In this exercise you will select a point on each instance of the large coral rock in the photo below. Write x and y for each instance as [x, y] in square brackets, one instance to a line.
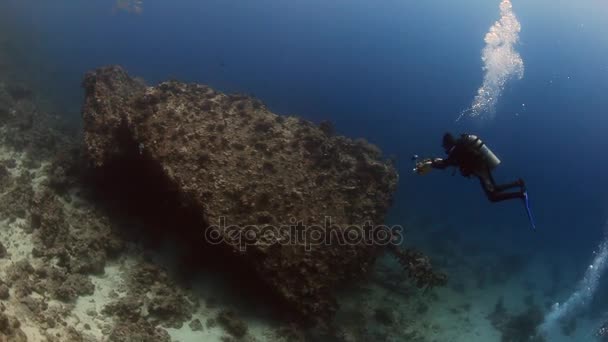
[234, 162]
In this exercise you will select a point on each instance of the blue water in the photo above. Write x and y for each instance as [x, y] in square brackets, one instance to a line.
[395, 72]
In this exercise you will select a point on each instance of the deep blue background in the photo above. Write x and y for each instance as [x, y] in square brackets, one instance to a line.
[395, 72]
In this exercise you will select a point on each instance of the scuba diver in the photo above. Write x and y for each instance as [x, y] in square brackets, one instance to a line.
[473, 157]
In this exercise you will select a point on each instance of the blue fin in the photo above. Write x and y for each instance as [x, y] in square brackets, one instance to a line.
[528, 211]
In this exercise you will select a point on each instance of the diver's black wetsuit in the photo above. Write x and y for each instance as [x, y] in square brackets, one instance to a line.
[462, 156]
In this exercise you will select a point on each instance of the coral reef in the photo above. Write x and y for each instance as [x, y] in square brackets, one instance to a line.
[54, 238]
[140, 330]
[196, 325]
[151, 301]
[165, 302]
[232, 324]
[226, 157]
[198, 155]
[10, 328]
[517, 328]
[419, 267]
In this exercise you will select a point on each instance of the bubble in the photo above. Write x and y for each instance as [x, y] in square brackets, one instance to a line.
[129, 6]
[583, 294]
[501, 62]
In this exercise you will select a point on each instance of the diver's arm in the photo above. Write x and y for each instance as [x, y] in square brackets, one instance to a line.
[422, 167]
[441, 164]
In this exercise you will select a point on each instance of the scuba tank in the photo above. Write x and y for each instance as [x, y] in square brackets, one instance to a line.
[484, 152]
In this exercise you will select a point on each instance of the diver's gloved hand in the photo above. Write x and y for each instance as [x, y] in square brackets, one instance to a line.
[424, 166]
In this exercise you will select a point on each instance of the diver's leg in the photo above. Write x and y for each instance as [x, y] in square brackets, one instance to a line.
[495, 195]
[488, 174]
[517, 184]
[503, 196]
[487, 185]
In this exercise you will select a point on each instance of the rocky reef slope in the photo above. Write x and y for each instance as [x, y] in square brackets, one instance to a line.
[247, 179]
[82, 261]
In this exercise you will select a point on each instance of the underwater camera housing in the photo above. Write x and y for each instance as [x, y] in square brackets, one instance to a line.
[421, 167]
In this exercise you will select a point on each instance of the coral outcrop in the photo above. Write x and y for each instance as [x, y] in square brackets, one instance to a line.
[10, 328]
[56, 242]
[516, 328]
[250, 181]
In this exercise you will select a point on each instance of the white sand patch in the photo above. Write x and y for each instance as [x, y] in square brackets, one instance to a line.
[260, 327]
[19, 247]
[18, 243]
[86, 316]
[18, 158]
[39, 175]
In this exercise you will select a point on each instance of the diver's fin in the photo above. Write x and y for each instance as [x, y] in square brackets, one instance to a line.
[528, 211]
